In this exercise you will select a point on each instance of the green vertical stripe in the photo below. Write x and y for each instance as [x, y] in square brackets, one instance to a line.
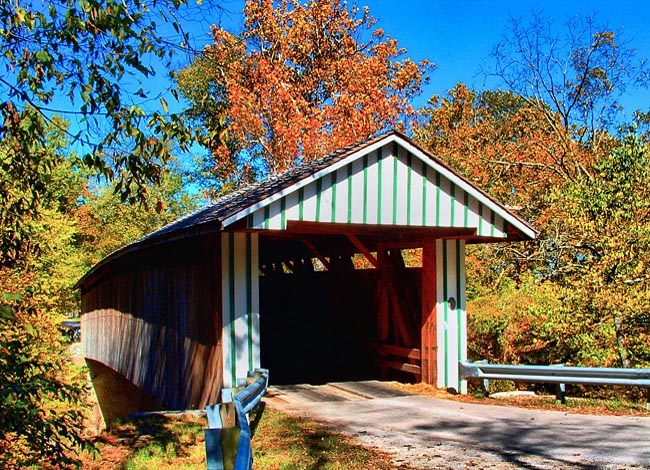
[365, 189]
[437, 199]
[301, 204]
[466, 210]
[492, 222]
[379, 184]
[350, 193]
[480, 219]
[459, 304]
[395, 182]
[319, 191]
[250, 220]
[283, 213]
[409, 162]
[425, 179]
[231, 293]
[452, 205]
[445, 289]
[267, 215]
[249, 297]
[334, 179]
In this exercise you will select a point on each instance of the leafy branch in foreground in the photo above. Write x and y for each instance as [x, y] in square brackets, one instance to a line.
[84, 60]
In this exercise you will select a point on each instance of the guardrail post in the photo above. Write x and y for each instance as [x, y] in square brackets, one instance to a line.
[560, 394]
[485, 382]
[228, 437]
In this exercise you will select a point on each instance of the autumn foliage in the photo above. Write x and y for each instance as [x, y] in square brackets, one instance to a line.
[300, 81]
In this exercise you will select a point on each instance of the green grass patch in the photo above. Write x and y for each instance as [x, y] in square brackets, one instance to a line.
[279, 442]
[158, 442]
[284, 442]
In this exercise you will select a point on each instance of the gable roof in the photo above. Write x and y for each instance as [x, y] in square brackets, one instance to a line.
[256, 202]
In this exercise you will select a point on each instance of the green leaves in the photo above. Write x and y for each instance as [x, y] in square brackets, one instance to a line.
[80, 51]
[608, 218]
[41, 397]
[6, 308]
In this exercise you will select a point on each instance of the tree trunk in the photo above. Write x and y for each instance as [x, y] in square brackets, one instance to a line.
[622, 342]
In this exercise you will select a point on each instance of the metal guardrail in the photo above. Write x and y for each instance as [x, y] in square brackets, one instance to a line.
[554, 374]
[228, 437]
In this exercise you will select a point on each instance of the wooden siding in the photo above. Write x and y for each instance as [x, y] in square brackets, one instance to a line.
[157, 322]
[452, 322]
[241, 305]
[388, 186]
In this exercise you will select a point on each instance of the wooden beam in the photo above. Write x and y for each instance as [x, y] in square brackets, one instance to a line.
[383, 316]
[361, 247]
[399, 351]
[399, 315]
[429, 326]
[401, 366]
[317, 254]
[399, 289]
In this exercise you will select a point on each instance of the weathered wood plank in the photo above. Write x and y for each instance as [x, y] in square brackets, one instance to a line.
[156, 322]
[401, 366]
[383, 298]
[405, 353]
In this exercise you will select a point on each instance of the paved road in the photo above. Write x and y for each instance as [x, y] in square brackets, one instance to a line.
[436, 433]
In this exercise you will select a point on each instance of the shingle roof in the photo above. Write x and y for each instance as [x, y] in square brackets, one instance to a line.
[211, 217]
[236, 201]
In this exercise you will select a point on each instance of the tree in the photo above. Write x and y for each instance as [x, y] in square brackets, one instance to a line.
[607, 218]
[106, 224]
[299, 82]
[41, 395]
[85, 60]
[505, 145]
[574, 75]
[502, 142]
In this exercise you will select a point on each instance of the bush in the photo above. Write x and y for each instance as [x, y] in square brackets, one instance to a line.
[41, 394]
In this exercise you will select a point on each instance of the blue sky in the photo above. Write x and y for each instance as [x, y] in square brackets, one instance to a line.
[458, 35]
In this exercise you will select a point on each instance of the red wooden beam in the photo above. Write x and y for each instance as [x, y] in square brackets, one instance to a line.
[383, 322]
[400, 351]
[361, 247]
[317, 254]
[429, 327]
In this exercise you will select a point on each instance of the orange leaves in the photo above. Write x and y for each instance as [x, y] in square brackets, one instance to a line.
[305, 79]
[503, 143]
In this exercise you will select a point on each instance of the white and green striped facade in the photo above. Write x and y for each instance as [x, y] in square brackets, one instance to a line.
[388, 182]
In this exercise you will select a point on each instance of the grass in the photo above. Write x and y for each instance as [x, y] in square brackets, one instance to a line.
[594, 406]
[599, 406]
[279, 442]
[159, 442]
[284, 442]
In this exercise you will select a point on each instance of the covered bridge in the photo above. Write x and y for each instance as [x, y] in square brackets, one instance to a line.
[303, 274]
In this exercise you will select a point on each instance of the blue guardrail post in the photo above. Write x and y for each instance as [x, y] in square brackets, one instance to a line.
[221, 432]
